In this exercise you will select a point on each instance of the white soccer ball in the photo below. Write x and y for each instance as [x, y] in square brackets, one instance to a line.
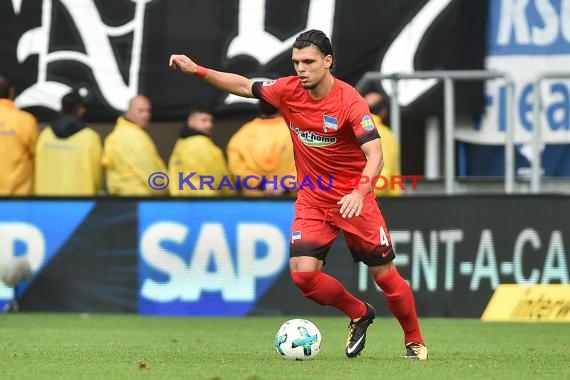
[298, 339]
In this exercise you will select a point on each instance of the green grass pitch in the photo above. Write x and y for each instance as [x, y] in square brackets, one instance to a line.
[71, 346]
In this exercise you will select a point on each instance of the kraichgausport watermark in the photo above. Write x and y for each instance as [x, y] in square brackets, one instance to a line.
[158, 181]
[342, 181]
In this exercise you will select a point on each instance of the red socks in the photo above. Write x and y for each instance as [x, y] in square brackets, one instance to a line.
[401, 302]
[326, 290]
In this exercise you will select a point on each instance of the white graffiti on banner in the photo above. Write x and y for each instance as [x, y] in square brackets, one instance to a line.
[99, 56]
[401, 54]
[399, 57]
[17, 4]
[251, 27]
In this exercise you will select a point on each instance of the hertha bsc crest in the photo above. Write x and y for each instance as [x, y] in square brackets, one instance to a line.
[329, 122]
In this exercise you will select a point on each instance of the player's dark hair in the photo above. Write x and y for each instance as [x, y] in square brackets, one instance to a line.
[314, 37]
[5, 85]
[71, 102]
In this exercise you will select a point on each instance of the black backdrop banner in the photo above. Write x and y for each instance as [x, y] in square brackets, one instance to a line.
[113, 49]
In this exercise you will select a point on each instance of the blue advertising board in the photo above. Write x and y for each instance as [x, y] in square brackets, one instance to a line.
[36, 230]
[210, 257]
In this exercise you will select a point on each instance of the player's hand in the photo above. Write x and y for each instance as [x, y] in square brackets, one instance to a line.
[182, 62]
[351, 204]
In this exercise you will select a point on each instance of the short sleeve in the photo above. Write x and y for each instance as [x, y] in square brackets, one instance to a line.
[362, 123]
[270, 90]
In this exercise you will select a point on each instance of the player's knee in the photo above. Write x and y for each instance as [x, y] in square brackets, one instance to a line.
[305, 281]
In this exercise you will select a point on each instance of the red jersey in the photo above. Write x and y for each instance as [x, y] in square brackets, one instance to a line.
[326, 133]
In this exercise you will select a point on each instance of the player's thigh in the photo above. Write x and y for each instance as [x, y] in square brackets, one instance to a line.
[305, 264]
[367, 236]
[311, 235]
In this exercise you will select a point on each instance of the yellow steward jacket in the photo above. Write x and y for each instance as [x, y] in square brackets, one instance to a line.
[197, 153]
[391, 153]
[69, 166]
[18, 136]
[262, 148]
[129, 158]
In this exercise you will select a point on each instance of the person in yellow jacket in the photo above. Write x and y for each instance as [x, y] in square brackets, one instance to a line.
[18, 136]
[390, 147]
[68, 154]
[130, 156]
[263, 148]
[197, 166]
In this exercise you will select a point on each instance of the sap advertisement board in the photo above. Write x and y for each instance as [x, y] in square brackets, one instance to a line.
[210, 258]
[229, 257]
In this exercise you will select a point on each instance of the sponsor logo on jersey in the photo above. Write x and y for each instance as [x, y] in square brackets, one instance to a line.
[268, 82]
[329, 122]
[312, 139]
[367, 123]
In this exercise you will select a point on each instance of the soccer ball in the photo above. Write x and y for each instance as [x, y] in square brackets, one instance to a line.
[298, 339]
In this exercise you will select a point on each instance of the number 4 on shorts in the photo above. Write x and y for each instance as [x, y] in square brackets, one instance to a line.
[383, 237]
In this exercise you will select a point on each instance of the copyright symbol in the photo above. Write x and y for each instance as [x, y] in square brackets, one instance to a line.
[158, 181]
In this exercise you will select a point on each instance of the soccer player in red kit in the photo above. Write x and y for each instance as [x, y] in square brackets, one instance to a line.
[333, 135]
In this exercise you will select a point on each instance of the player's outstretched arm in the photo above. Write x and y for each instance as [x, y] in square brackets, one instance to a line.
[227, 82]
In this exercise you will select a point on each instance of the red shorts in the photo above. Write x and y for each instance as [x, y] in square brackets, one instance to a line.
[315, 228]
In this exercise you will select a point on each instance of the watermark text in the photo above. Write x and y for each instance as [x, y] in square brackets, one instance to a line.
[341, 181]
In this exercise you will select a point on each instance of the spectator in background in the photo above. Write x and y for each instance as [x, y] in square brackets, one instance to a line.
[129, 154]
[263, 148]
[68, 154]
[390, 146]
[18, 136]
[195, 152]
